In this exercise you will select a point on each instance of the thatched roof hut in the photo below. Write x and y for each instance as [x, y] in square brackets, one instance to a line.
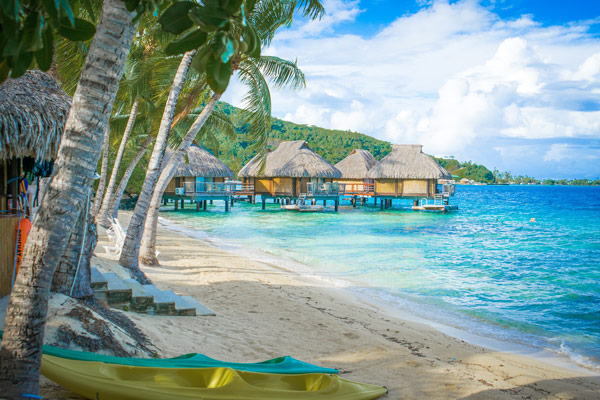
[293, 159]
[357, 164]
[33, 113]
[407, 161]
[200, 162]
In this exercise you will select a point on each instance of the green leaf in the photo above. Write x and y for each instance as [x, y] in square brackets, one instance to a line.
[20, 63]
[64, 5]
[208, 19]
[81, 31]
[32, 31]
[4, 71]
[11, 8]
[189, 41]
[232, 6]
[252, 41]
[218, 74]
[175, 19]
[201, 58]
[51, 7]
[43, 57]
[131, 5]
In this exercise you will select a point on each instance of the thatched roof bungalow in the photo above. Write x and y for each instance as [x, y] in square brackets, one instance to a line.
[355, 169]
[33, 113]
[199, 173]
[287, 170]
[407, 172]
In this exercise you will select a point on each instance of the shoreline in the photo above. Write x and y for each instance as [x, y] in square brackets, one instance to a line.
[347, 285]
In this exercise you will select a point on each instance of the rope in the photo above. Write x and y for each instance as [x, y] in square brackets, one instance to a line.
[85, 228]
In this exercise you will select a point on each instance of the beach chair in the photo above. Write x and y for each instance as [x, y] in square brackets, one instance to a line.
[116, 234]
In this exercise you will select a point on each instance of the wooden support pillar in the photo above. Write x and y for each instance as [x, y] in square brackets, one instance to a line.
[211, 202]
[415, 203]
[226, 205]
[375, 200]
[164, 201]
[264, 200]
[182, 204]
[324, 203]
[381, 201]
[354, 202]
[314, 202]
[336, 204]
[176, 204]
[232, 201]
[198, 204]
[204, 204]
[362, 201]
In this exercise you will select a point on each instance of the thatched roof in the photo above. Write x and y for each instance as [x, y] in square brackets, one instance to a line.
[33, 113]
[292, 159]
[357, 164]
[200, 162]
[407, 161]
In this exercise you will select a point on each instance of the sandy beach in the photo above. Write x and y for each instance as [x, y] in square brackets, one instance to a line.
[264, 311]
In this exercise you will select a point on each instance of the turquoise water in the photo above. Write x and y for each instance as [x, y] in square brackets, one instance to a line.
[485, 269]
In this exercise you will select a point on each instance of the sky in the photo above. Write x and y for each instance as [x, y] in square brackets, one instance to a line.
[511, 84]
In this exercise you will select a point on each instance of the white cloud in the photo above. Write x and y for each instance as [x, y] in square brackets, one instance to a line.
[451, 76]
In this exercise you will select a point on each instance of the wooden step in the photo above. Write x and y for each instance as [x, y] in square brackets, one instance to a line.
[141, 299]
[118, 295]
[200, 308]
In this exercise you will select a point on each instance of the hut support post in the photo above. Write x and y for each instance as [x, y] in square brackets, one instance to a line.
[263, 203]
[211, 202]
[226, 205]
[204, 203]
[198, 205]
[336, 204]
[324, 203]
[176, 205]
[381, 202]
[182, 204]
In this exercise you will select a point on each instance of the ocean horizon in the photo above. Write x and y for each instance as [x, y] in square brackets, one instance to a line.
[487, 269]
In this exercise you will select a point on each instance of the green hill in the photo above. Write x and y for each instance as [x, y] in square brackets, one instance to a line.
[333, 145]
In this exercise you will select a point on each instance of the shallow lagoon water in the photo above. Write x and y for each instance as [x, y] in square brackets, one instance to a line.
[485, 269]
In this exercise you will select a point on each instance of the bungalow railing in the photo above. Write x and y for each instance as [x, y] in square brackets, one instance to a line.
[239, 187]
[325, 189]
[214, 188]
[360, 188]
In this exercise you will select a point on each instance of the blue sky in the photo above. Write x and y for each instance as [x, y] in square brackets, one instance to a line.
[512, 84]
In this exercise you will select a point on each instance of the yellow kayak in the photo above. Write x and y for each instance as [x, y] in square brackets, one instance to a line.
[104, 381]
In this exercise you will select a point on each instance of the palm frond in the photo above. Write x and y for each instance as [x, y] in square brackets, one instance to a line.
[282, 73]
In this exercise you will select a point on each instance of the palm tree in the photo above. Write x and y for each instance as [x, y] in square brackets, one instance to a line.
[265, 18]
[20, 356]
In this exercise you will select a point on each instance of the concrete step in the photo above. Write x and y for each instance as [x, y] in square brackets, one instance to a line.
[141, 299]
[99, 282]
[182, 306]
[163, 303]
[118, 295]
[200, 308]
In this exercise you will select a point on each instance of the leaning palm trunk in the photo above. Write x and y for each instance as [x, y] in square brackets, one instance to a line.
[131, 246]
[148, 245]
[72, 276]
[75, 165]
[116, 201]
[102, 217]
[103, 173]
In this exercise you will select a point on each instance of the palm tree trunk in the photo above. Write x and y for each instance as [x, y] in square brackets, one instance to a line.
[148, 245]
[116, 201]
[77, 159]
[103, 213]
[103, 172]
[131, 247]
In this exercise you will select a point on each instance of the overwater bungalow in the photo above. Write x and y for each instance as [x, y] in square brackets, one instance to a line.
[406, 172]
[293, 173]
[355, 169]
[33, 113]
[200, 179]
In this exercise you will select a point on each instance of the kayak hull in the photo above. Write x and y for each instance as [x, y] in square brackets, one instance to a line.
[103, 381]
